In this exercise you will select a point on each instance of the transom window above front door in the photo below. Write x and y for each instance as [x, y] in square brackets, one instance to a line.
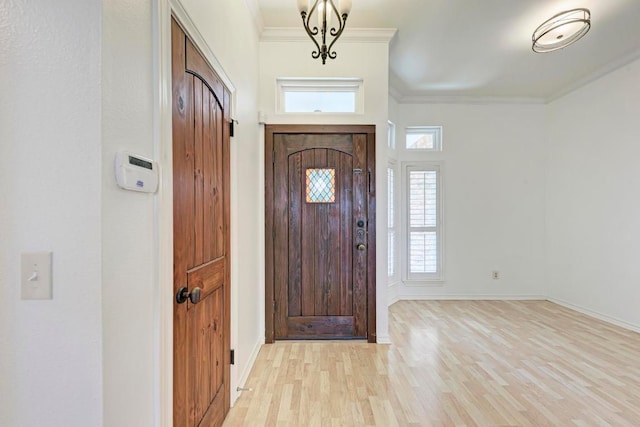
[320, 95]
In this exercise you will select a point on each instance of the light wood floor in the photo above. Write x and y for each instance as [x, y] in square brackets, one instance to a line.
[454, 363]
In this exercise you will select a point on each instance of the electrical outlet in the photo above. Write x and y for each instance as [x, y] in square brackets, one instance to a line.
[495, 275]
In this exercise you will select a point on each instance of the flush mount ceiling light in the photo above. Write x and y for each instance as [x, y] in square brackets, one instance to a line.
[324, 11]
[561, 30]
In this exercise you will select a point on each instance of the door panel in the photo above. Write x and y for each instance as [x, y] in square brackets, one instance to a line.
[201, 238]
[320, 279]
[207, 277]
[320, 238]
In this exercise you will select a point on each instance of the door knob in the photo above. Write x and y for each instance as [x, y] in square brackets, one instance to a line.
[193, 296]
[361, 247]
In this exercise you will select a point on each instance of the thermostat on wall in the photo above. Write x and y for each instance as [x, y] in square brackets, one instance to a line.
[136, 173]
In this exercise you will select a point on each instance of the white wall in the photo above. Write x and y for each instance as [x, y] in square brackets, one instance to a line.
[493, 197]
[593, 207]
[129, 282]
[362, 59]
[50, 350]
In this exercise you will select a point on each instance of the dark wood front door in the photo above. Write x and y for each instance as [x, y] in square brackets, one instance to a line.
[201, 333]
[320, 211]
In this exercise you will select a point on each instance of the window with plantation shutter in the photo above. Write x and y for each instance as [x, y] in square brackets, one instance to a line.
[423, 222]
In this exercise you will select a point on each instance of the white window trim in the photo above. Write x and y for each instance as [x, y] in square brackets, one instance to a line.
[337, 84]
[423, 279]
[436, 131]
[397, 226]
[391, 135]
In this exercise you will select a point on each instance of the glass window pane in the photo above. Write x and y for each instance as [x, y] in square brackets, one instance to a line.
[319, 102]
[321, 186]
[420, 141]
[390, 213]
[391, 253]
[391, 136]
[424, 260]
[422, 198]
[423, 252]
[428, 138]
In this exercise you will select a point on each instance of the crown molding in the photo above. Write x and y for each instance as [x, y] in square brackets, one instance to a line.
[461, 99]
[395, 93]
[601, 72]
[477, 100]
[353, 35]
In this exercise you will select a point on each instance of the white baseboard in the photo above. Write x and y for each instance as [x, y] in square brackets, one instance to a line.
[383, 339]
[392, 294]
[247, 369]
[596, 314]
[468, 297]
[392, 300]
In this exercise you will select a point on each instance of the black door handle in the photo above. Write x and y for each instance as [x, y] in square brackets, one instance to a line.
[183, 294]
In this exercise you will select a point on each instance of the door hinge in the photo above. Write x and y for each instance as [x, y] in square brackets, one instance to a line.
[232, 126]
[274, 306]
[232, 357]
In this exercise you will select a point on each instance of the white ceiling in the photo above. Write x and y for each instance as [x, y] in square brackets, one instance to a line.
[482, 48]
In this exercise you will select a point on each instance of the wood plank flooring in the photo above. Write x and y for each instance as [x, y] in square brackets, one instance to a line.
[454, 363]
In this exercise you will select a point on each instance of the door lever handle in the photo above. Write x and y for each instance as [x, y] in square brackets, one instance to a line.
[184, 294]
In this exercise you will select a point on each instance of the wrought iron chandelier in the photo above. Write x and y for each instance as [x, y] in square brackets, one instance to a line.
[324, 11]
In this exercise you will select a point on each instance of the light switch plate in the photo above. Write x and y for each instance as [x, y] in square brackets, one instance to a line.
[36, 275]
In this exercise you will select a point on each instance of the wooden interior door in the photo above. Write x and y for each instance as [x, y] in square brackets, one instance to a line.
[201, 238]
[320, 204]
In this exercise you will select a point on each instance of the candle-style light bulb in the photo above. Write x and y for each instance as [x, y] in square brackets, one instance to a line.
[345, 7]
[303, 6]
